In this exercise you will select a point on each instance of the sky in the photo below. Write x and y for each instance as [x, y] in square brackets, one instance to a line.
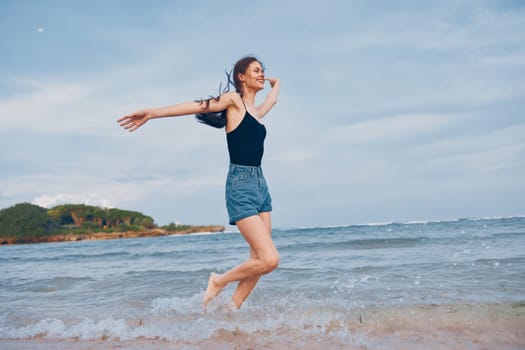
[389, 110]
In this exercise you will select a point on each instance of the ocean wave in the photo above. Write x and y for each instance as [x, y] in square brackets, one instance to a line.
[358, 244]
[178, 321]
[326, 279]
[66, 257]
[408, 222]
[54, 284]
[178, 235]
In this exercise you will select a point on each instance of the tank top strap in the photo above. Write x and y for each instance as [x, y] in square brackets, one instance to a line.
[244, 104]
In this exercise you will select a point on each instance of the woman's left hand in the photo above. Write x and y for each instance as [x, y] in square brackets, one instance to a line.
[272, 81]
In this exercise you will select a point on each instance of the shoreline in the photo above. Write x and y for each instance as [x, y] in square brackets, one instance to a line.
[409, 327]
[95, 236]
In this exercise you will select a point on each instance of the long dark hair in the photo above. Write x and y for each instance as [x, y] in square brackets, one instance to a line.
[218, 119]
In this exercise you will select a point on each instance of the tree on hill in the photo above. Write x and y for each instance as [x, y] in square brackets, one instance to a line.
[71, 214]
[81, 215]
[26, 220]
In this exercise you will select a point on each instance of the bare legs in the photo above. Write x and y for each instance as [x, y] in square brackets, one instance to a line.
[246, 286]
[264, 258]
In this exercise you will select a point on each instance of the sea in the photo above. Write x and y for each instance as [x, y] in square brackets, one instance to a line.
[449, 284]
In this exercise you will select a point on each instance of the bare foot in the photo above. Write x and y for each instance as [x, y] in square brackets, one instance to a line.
[214, 288]
[231, 307]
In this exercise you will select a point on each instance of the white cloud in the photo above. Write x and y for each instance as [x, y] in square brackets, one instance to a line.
[391, 129]
[483, 152]
[90, 104]
[46, 107]
[516, 59]
[48, 201]
[77, 187]
[291, 156]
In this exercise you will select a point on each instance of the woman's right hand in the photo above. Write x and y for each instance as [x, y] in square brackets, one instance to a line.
[135, 120]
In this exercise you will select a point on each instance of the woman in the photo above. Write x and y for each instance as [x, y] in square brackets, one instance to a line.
[247, 198]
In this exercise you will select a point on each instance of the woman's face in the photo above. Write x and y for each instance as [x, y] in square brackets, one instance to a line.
[254, 76]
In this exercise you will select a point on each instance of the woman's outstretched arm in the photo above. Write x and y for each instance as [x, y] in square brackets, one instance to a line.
[271, 98]
[136, 119]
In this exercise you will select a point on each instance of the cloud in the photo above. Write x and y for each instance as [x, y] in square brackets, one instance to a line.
[378, 101]
[294, 155]
[392, 129]
[44, 106]
[438, 27]
[515, 59]
[479, 153]
[47, 201]
[90, 103]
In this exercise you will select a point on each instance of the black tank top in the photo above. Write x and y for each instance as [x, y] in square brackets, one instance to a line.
[246, 142]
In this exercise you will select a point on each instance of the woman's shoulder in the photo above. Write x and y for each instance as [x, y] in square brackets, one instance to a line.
[233, 96]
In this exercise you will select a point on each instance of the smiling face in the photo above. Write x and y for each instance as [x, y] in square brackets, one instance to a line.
[253, 78]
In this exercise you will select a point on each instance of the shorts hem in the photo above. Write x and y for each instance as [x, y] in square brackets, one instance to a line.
[266, 210]
[234, 219]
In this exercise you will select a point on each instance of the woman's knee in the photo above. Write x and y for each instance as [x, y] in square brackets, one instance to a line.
[270, 262]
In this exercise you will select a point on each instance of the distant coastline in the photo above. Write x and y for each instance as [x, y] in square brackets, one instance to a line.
[28, 223]
[72, 236]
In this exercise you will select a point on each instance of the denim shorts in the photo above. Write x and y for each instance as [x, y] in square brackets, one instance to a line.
[246, 192]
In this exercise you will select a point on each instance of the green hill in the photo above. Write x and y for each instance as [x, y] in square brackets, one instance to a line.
[29, 223]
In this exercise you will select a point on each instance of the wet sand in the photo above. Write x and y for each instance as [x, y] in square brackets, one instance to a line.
[458, 326]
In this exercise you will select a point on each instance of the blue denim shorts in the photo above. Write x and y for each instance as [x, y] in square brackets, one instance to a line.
[246, 192]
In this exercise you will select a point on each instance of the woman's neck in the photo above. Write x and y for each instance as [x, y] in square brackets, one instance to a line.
[249, 97]
[249, 101]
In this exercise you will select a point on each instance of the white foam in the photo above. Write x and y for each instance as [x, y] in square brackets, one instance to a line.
[56, 329]
[295, 322]
[168, 306]
[408, 222]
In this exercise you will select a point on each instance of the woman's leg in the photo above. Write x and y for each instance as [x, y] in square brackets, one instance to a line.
[246, 286]
[265, 259]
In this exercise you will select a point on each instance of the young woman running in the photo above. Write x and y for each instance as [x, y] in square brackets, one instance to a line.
[248, 200]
